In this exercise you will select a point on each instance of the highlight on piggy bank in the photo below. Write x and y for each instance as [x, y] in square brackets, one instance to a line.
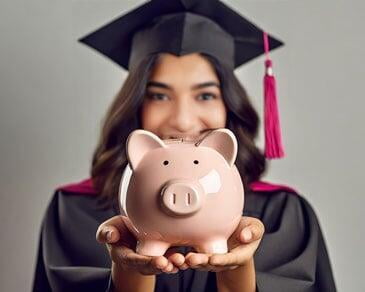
[181, 193]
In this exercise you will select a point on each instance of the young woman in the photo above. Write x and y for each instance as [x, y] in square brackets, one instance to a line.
[184, 98]
[278, 245]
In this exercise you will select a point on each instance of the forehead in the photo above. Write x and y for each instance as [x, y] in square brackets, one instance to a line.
[191, 68]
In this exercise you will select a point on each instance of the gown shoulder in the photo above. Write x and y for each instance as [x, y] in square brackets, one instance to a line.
[292, 255]
[69, 257]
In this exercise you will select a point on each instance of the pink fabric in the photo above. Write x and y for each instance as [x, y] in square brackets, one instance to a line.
[273, 144]
[85, 187]
[261, 186]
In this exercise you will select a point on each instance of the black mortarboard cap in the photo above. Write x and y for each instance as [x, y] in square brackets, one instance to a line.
[186, 26]
[180, 27]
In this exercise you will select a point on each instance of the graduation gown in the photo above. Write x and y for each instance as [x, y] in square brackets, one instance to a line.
[292, 255]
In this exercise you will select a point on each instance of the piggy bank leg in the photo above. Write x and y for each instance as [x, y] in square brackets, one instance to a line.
[213, 246]
[150, 247]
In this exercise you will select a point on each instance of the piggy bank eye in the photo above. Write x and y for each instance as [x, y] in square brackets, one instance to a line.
[196, 161]
[166, 162]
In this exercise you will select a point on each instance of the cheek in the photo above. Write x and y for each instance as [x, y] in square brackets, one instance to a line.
[151, 117]
[215, 117]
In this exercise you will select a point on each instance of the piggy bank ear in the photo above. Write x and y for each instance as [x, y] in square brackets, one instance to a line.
[140, 142]
[224, 141]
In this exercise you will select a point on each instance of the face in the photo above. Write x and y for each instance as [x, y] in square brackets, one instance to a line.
[183, 98]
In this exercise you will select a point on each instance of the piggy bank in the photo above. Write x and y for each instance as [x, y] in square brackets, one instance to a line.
[181, 193]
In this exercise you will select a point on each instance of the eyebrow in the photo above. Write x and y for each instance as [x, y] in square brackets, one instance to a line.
[196, 86]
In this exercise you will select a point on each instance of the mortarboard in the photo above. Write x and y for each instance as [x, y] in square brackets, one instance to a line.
[181, 27]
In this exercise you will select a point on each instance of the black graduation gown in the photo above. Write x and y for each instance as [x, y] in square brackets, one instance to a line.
[291, 257]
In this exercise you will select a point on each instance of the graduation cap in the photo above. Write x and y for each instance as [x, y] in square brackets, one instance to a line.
[181, 27]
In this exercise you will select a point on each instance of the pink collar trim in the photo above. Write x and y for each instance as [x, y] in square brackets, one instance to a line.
[83, 187]
[262, 186]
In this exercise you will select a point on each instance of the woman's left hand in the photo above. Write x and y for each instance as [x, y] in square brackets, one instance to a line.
[242, 245]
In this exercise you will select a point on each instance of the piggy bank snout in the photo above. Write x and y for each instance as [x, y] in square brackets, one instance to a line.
[179, 198]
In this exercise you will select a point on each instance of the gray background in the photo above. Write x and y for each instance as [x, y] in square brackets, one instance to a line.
[55, 91]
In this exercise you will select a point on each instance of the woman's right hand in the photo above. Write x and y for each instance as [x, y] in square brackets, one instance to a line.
[121, 245]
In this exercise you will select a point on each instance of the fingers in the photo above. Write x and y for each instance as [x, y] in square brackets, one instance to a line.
[159, 262]
[108, 230]
[227, 259]
[251, 232]
[253, 229]
[171, 250]
[126, 256]
[121, 245]
[164, 265]
[114, 230]
[184, 266]
[175, 257]
[145, 264]
[107, 234]
[194, 259]
[168, 268]
[199, 259]
[201, 262]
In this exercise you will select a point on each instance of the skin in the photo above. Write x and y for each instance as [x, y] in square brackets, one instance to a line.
[183, 99]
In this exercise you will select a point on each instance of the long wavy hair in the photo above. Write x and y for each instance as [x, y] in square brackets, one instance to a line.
[123, 116]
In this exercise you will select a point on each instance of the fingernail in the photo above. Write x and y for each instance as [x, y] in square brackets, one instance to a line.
[109, 235]
[184, 267]
[247, 234]
[159, 266]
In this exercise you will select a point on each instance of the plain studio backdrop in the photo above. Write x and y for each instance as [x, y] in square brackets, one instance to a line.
[55, 91]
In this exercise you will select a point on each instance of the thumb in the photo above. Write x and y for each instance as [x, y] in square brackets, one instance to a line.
[111, 230]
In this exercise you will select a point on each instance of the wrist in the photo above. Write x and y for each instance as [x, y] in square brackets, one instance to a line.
[131, 280]
[243, 278]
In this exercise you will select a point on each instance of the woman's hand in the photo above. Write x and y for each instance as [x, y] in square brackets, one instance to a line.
[242, 245]
[121, 245]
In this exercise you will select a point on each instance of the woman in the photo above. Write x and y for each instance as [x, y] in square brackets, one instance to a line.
[180, 96]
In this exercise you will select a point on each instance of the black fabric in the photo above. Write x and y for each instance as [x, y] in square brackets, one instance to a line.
[292, 255]
[180, 27]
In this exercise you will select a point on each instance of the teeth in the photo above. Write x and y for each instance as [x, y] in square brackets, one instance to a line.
[182, 137]
[175, 137]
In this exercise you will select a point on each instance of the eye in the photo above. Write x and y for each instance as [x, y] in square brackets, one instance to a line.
[207, 96]
[196, 161]
[166, 162]
[157, 96]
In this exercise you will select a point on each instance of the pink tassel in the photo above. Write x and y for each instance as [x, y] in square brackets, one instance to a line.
[273, 144]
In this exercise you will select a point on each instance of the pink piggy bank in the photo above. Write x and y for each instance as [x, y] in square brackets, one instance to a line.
[180, 193]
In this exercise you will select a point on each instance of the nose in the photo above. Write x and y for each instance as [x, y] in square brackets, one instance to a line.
[183, 118]
[180, 198]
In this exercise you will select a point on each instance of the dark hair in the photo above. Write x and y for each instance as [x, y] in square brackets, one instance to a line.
[123, 116]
